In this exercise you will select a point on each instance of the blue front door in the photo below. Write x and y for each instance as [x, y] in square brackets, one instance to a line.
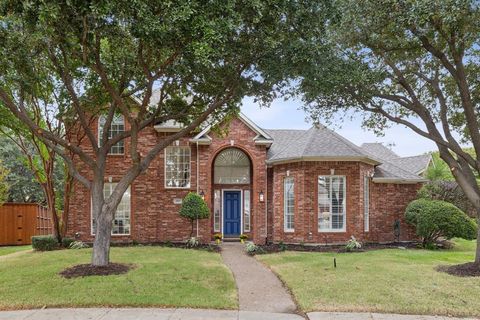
[231, 212]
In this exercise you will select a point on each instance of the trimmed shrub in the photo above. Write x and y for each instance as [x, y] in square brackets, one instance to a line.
[436, 219]
[44, 243]
[66, 242]
[193, 208]
[448, 191]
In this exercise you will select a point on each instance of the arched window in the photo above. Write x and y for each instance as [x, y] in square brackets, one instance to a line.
[232, 166]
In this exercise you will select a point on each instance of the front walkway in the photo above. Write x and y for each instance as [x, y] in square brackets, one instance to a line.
[259, 289]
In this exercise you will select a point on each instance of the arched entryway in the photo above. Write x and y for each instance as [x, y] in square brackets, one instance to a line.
[232, 178]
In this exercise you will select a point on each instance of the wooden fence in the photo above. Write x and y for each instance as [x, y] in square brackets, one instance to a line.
[20, 221]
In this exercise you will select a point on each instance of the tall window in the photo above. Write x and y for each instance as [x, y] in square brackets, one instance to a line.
[216, 211]
[121, 221]
[331, 203]
[116, 127]
[177, 167]
[232, 166]
[288, 203]
[366, 204]
[246, 211]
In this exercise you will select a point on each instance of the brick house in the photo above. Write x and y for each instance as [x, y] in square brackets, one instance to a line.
[310, 186]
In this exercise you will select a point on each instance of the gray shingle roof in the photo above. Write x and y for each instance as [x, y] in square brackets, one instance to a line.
[321, 142]
[379, 150]
[317, 142]
[416, 164]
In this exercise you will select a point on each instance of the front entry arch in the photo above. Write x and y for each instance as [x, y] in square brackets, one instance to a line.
[231, 185]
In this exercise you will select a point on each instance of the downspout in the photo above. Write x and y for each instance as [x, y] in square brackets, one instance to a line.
[198, 187]
[266, 203]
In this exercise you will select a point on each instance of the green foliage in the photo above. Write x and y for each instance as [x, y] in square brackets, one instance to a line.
[448, 191]
[66, 242]
[194, 207]
[252, 249]
[78, 245]
[44, 243]
[243, 236]
[192, 242]
[4, 186]
[23, 186]
[353, 244]
[435, 218]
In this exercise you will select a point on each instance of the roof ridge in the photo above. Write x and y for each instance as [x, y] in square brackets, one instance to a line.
[350, 144]
[418, 155]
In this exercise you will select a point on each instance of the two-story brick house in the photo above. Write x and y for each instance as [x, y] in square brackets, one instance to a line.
[310, 186]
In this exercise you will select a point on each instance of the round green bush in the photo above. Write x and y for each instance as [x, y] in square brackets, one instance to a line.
[435, 218]
[193, 208]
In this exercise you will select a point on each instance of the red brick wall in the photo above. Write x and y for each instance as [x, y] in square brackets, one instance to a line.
[387, 203]
[154, 216]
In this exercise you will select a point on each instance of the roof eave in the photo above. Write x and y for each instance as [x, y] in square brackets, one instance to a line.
[330, 158]
[398, 180]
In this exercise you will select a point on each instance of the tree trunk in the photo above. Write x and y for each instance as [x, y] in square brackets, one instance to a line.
[101, 245]
[477, 252]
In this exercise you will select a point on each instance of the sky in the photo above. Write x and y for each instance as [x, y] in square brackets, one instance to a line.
[288, 115]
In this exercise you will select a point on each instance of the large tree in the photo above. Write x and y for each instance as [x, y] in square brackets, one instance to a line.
[39, 158]
[413, 63]
[80, 59]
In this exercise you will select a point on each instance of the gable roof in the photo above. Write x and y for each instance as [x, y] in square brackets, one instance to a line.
[395, 168]
[317, 143]
[417, 164]
[262, 138]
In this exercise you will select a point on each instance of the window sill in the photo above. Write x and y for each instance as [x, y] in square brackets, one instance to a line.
[332, 231]
[178, 188]
[289, 230]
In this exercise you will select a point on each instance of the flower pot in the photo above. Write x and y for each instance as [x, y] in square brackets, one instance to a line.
[217, 241]
[242, 241]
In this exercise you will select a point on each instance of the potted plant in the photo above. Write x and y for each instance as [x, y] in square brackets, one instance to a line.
[218, 237]
[243, 237]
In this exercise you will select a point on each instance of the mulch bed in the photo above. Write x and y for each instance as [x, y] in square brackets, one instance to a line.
[461, 270]
[276, 247]
[85, 270]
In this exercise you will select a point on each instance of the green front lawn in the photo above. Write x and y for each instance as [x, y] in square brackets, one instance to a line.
[389, 281]
[7, 250]
[163, 277]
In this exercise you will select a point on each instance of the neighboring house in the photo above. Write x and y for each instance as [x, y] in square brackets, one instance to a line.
[295, 186]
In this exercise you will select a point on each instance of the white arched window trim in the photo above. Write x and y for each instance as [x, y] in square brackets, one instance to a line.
[231, 166]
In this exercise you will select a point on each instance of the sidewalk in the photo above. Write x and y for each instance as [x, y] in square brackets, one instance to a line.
[373, 316]
[142, 314]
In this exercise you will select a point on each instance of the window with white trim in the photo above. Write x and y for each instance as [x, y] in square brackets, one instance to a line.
[116, 127]
[121, 221]
[216, 211]
[288, 203]
[246, 211]
[331, 203]
[366, 203]
[177, 167]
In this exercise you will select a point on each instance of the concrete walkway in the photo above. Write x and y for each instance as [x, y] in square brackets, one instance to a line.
[142, 314]
[259, 289]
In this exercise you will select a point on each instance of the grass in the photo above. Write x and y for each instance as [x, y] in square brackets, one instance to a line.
[386, 281]
[7, 250]
[163, 277]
